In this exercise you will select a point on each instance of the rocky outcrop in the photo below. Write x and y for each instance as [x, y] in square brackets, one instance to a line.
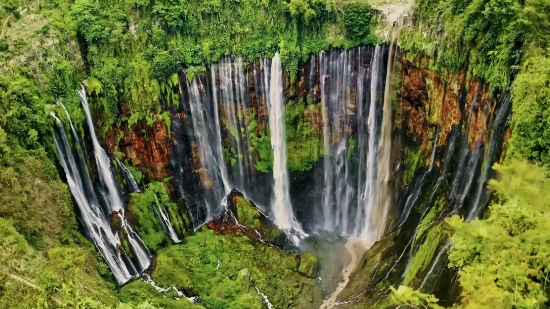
[308, 265]
[440, 117]
[146, 145]
[242, 217]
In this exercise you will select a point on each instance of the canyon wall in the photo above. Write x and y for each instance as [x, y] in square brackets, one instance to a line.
[447, 132]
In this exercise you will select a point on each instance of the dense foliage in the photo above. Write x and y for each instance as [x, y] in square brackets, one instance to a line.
[503, 260]
[225, 272]
[146, 207]
[492, 40]
[127, 53]
[133, 48]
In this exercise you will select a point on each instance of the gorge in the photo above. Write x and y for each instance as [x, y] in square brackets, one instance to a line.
[264, 154]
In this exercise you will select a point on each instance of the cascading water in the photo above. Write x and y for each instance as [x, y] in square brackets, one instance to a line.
[432, 158]
[222, 116]
[130, 180]
[224, 111]
[351, 130]
[498, 129]
[383, 197]
[159, 210]
[164, 220]
[281, 204]
[214, 173]
[234, 97]
[365, 202]
[94, 221]
[110, 191]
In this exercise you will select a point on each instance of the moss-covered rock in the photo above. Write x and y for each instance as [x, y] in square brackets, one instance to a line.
[371, 262]
[224, 271]
[304, 146]
[242, 217]
[144, 210]
[246, 213]
[308, 265]
[425, 254]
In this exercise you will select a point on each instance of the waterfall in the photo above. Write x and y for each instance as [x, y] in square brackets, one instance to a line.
[437, 266]
[205, 122]
[498, 129]
[383, 196]
[106, 176]
[130, 180]
[147, 279]
[366, 202]
[160, 211]
[93, 219]
[334, 101]
[281, 205]
[351, 137]
[110, 192]
[219, 153]
[234, 97]
[432, 158]
[164, 220]
[265, 299]
[223, 118]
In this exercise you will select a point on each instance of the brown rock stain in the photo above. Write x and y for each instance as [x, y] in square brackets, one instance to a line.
[147, 146]
[428, 98]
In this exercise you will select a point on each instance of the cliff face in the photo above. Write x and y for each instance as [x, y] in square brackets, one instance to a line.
[428, 100]
[148, 147]
[447, 132]
[426, 108]
[454, 124]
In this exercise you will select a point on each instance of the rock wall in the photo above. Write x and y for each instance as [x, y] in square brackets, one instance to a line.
[463, 121]
[442, 141]
[427, 107]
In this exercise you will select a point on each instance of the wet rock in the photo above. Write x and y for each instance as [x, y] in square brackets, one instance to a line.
[147, 146]
[378, 265]
[116, 222]
[243, 217]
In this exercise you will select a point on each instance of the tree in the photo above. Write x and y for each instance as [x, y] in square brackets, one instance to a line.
[503, 261]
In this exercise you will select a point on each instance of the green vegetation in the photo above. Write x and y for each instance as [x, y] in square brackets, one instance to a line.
[127, 53]
[503, 259]
[60, 275]
[304, 148]
[531, 109]
[491, 39]
[42, 250]
[423, 257]
[262, 145]
[483, 34]
[407, 296]
[133, 48]
[250, 217]
[247, 214]
[138, 175]
[428, 220]
[134, 294]
[308, 265]
[224, 271]
[413, 160]
[146, 207]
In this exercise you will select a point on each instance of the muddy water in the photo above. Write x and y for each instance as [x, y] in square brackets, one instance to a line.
[356, 247]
